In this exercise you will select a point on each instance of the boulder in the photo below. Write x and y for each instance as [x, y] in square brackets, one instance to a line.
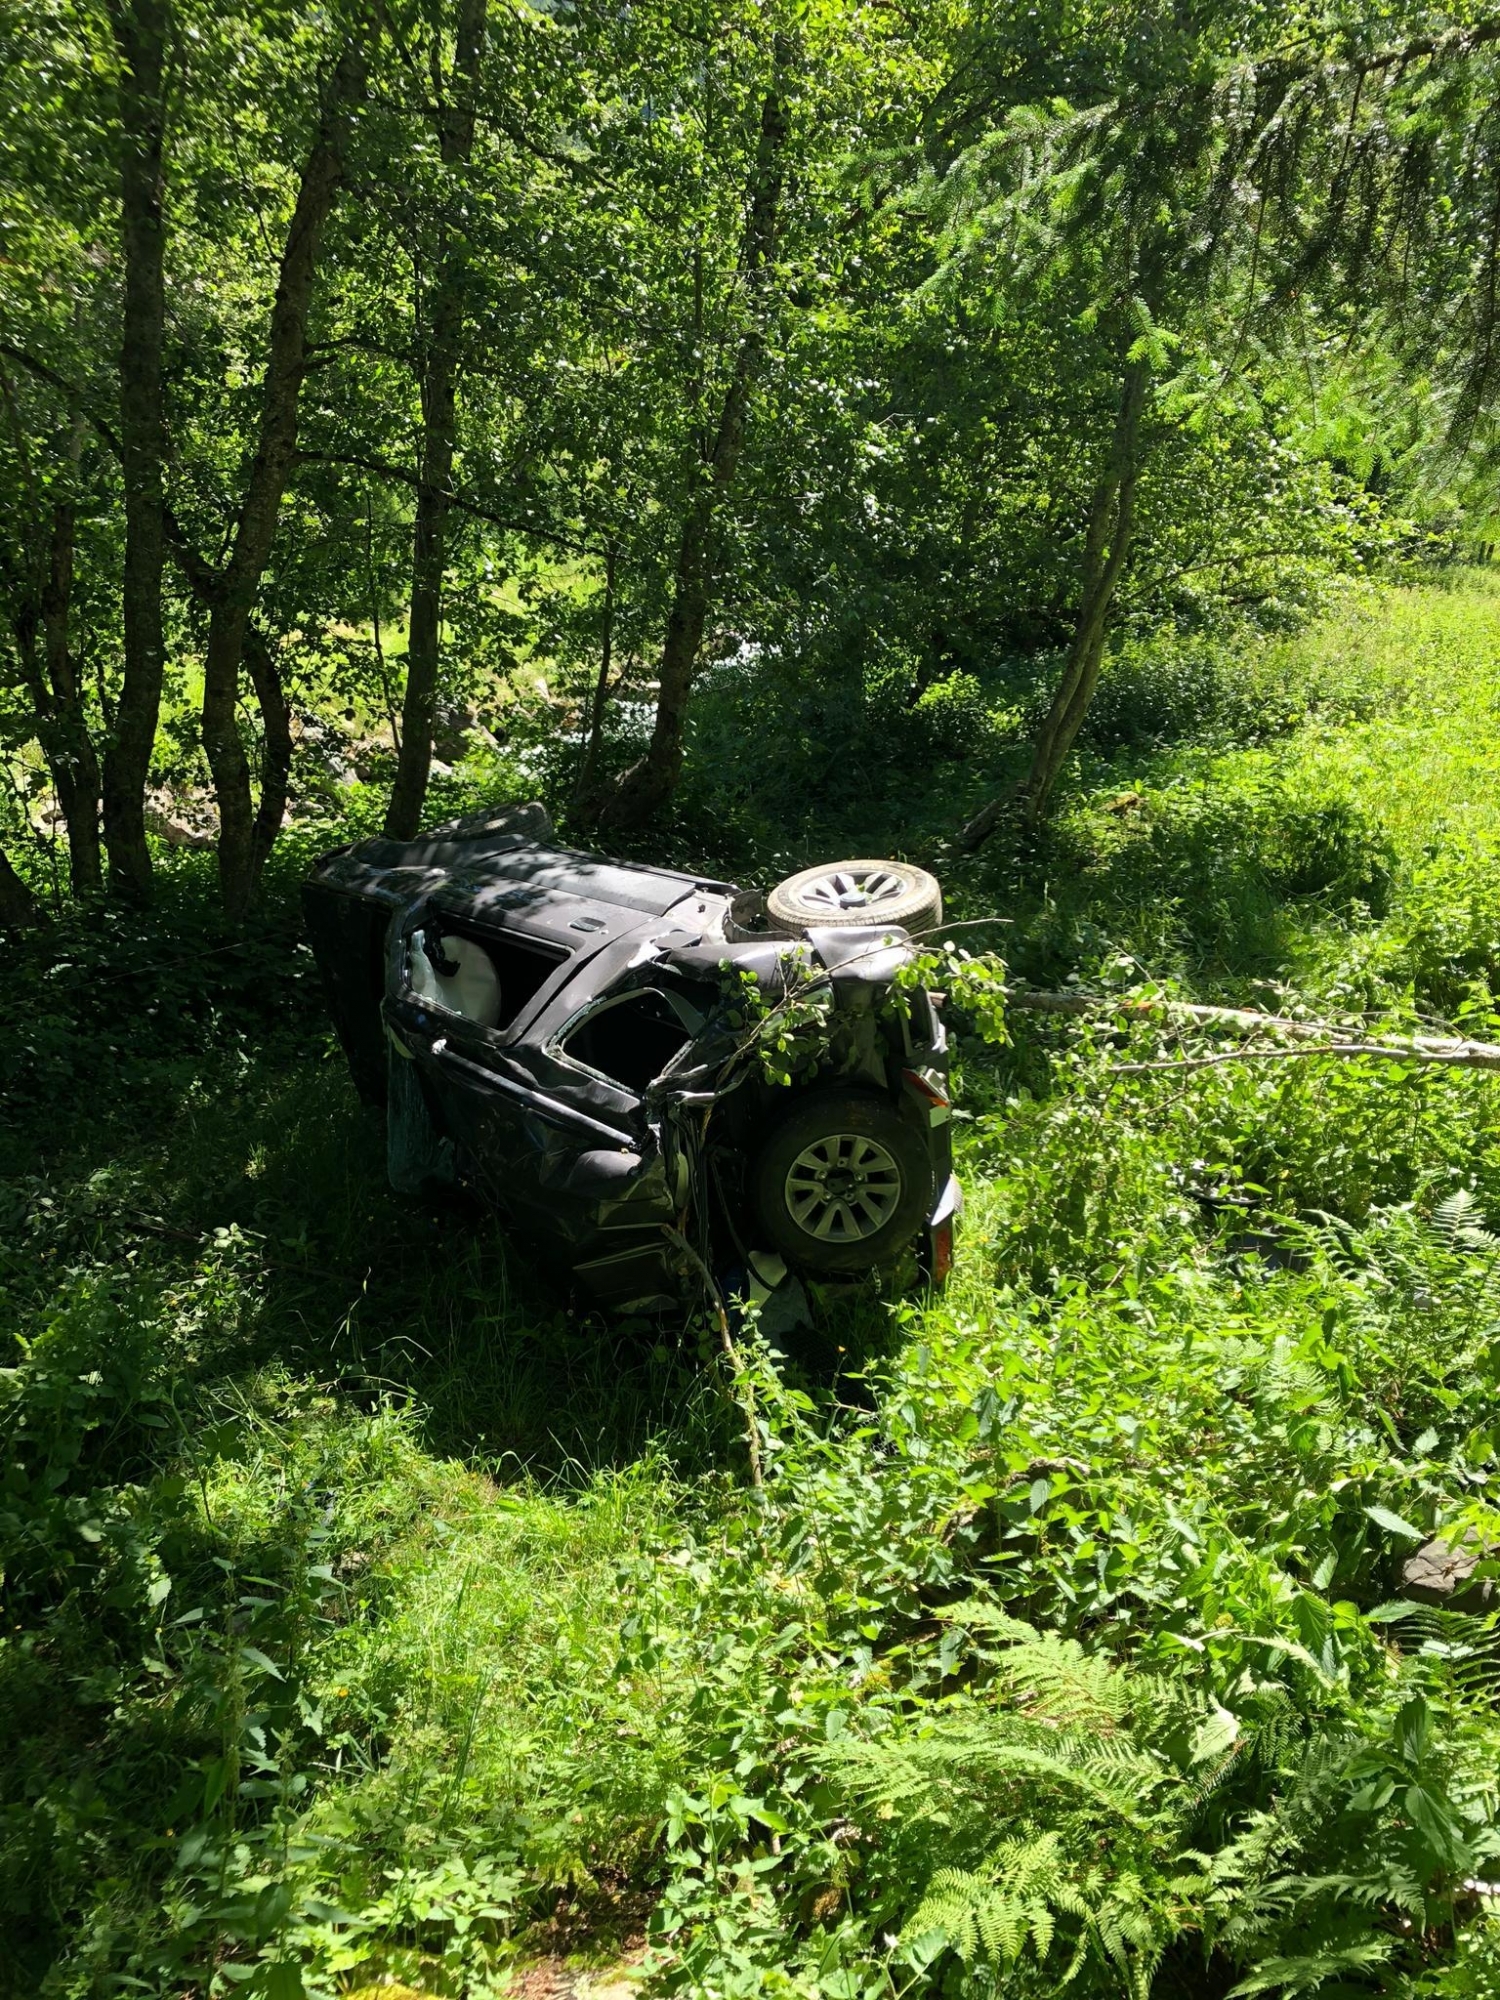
[458, 731]
[1442, 1573]
[190, 823]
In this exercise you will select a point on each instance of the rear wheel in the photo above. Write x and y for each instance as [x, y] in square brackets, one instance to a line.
[843, 1183]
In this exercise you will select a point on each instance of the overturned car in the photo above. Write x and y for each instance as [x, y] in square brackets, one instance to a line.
[585, 1042]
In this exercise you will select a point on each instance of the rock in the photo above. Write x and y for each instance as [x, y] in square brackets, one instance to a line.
[1443, 1574]
[177, 832]
[458, 731]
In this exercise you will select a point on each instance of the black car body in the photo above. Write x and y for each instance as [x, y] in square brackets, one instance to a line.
[577, 1039]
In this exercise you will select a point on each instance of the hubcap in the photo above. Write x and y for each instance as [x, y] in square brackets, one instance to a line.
[851, 889]
[843, 1189]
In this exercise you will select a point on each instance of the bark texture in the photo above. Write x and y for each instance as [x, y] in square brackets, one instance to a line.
[1111, 523]
[141, 29]
[650, 782]
[439, 431]
[243, 834]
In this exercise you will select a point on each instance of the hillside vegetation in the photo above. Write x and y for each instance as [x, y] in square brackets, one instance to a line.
[370, 1617]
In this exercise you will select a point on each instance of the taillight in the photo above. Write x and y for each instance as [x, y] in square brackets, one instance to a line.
[940, 1254]
[929, 1086]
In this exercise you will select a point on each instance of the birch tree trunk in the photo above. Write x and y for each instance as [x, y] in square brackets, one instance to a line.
[141, 31]
[243, 845]
[1111, 522]
[439, 427]
[650, 782]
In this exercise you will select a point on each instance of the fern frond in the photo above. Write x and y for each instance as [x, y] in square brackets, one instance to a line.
[1291, 1976]
[1056, 1678]
[1468, 1648]
[1459, 1220]
[990, 1914]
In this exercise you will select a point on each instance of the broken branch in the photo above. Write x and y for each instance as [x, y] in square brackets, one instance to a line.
[1329, 1037]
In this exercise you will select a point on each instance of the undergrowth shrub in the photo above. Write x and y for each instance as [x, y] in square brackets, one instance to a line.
[1199, 871]
[953, 718]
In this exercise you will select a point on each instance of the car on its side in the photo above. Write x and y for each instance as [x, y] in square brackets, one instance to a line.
[579, 1040]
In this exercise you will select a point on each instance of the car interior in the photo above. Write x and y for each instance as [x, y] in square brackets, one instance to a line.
[632, 1038]
[487, 980]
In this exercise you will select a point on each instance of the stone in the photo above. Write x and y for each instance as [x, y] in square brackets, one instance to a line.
[456, 732]
[168, 823]
[1442, 1573]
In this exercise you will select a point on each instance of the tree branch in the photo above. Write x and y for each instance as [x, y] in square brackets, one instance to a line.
[383, 469]
[1329, 1036]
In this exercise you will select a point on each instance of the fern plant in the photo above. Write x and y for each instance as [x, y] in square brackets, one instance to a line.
[1067, 1752]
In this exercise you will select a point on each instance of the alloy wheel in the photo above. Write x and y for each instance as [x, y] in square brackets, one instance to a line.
[843, 1188]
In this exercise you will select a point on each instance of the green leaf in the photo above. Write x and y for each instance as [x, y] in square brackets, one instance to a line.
[261, 1660]
[1219, 1732]
[1394, 1523]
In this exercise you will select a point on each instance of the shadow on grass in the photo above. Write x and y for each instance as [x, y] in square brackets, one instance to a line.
[267, 1193]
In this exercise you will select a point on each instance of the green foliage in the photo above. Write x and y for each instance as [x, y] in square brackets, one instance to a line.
[365, 1610]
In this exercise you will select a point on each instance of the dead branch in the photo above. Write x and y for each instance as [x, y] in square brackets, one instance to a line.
[1330, 1037]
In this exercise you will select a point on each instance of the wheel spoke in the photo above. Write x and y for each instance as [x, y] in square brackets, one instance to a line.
[851, 889]
[843, 1188]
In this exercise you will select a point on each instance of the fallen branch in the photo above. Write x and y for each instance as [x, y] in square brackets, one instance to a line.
[1270, 1055]
[1330, 1038]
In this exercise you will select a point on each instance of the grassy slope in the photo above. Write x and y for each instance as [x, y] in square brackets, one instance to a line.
[365, 1610]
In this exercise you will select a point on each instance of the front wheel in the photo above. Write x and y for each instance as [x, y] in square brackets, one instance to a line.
[843, 1183]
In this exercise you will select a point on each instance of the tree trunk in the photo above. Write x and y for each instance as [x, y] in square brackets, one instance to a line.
[17, 904]
[40, 593]
[276, 754]
[275, 710]
[588, 771]
[241, 848]
[650, 782]
[1111, 520]
[439, 427]
[141, 29]
[70, 750]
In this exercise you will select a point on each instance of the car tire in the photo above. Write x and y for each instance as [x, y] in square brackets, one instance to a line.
[846, 893]
[842, 1184]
